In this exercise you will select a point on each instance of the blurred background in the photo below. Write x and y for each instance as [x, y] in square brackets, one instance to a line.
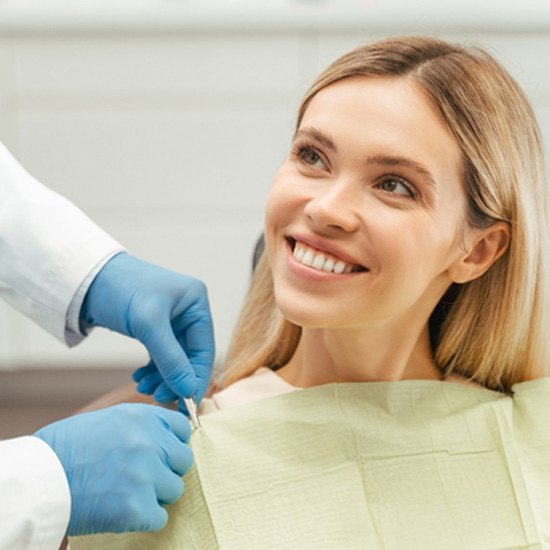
[165, 121]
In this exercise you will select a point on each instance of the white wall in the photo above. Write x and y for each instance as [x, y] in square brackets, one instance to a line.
[167, 131]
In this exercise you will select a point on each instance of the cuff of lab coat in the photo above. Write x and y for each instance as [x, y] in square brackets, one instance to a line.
[35, 505]
[73, 329]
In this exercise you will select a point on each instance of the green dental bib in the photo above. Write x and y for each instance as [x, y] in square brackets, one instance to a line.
[385, 465]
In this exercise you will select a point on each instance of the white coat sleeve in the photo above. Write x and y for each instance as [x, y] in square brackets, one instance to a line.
[47, 248]
[34, 496]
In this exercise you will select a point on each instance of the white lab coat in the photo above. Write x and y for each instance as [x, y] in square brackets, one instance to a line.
[48, 248]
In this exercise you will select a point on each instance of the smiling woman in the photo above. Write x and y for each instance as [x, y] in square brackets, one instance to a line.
[409, 236]
[404, 290]
[418, 164]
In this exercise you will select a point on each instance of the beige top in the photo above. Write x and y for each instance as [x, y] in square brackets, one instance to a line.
[264, 383]
[260, 385]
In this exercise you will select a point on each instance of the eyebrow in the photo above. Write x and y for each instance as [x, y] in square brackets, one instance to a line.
[317, 135]
[379, 159]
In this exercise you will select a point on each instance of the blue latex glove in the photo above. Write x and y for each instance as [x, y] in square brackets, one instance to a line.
[121, 463]
[167, 312]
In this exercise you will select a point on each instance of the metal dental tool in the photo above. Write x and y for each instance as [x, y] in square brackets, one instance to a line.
[193, 411]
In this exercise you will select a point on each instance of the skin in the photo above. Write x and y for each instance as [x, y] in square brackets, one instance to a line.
[373, 178]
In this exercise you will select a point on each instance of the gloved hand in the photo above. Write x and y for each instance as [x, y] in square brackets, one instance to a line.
[167, 312]
[121, 463]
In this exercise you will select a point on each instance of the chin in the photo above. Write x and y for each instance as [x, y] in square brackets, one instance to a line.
[311, 310]
[306, 316]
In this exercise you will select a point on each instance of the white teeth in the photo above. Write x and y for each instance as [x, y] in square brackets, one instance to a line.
[329, 265]
[307, 258]
[339, 267]
[317, 260]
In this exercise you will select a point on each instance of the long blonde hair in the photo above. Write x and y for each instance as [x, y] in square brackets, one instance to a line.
[493, 329]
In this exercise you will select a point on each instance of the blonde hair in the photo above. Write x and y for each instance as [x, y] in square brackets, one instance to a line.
[493, 329]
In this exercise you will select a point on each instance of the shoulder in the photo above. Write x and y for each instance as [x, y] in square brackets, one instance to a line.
[263, 383]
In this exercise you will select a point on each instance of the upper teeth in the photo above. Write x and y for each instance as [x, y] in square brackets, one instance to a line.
[320, 260]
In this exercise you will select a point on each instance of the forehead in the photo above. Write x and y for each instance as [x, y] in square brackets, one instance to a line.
[388, 115]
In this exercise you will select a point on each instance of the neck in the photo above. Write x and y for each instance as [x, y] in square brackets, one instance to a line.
[324, 356]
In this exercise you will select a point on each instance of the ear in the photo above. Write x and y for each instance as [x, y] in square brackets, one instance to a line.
[488, 246]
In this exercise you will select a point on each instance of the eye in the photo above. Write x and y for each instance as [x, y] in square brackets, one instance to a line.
[397, 186]
[309, 155]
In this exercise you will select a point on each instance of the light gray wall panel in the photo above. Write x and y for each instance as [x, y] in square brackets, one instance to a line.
[170, 141]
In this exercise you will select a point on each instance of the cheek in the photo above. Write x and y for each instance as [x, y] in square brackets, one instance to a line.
[281, 205]
[276, 216]
[271, 208]
[417, 246]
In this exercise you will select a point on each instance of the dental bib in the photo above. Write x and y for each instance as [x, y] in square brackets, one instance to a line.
[383, 465]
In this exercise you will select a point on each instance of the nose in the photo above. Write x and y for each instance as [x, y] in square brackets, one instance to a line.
[335, 207]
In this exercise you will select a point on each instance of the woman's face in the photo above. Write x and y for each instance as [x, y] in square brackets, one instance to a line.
[365, 220]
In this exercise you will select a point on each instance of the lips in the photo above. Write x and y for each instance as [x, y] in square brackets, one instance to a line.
[321, 260]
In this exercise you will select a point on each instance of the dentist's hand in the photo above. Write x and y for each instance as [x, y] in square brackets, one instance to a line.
[167, 312]
[121, 463]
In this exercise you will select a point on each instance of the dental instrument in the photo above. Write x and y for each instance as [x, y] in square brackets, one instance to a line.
[192, 408]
